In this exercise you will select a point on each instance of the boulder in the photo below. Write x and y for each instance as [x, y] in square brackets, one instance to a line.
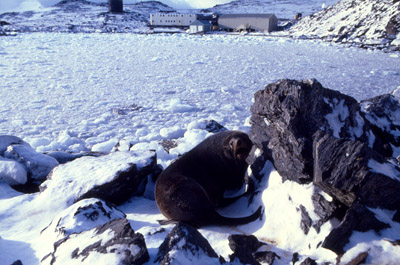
[185, 245]
[7, 140]
[243, 247]
[349, 170]
[383, 115]
[345, 148]
[81, 216]
[285, 116]
[112, 243]
[114, 177]
[38, 165]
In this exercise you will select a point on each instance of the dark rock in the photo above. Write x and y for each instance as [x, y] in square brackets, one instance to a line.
[308, 261]
[326, 210]
[114, 239]
[186, 239]
[384, 123]
[243, 247]
[344, 169]
[295, 258]
[358, 218]
[286, 114]
[266, 257]
[168, 144]
[65, 157]
[360, 259]
[213, 126]
[306, 221]
[17, 262]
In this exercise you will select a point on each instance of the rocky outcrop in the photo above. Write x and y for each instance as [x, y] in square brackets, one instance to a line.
[81, 216]
[113, 243]
[114, 177]
[318, 136]
[366, 23]
[184, 244]
[245, 250]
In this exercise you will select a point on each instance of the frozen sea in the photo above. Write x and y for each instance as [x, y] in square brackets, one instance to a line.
[76, 91]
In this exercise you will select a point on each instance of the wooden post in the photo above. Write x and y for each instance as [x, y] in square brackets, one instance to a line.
[115, 6]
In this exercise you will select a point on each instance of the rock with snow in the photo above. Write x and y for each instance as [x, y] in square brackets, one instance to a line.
[243, 248]
[367, 23]
[81, 216]
[185, 245]
[112, 243]
[383, 114]
[286, 114]
[324, 140]
[12, 172]
[38, 165]
[8, 140]
[114, 177]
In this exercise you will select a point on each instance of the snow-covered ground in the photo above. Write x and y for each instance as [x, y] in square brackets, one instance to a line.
[74, 91]
[83, 92]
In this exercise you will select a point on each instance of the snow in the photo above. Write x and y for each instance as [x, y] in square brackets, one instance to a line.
[63, 92]
[12, 172]
[84, 84]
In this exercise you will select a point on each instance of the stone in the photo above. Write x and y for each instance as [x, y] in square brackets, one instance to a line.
[38, 165]
[308, 261]
[357, 218]
[349, 170]
[266, 257]
[287, 113]
[382, 113]
[81, 216]
[114, 177]
[112, 243]
[184, 244]
[306, 221]
[243, 247]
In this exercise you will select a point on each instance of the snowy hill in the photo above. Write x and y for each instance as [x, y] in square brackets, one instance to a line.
[363, 22]
[286, 9]
[83, 16]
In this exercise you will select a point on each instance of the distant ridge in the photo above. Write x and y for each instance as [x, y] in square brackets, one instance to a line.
[367, 23]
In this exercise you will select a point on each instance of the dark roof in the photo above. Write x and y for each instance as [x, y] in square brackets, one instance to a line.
[246, 15]
[201, 22]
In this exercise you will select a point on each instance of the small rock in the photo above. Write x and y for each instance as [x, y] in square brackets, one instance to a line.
[185, 245]
[112, 243]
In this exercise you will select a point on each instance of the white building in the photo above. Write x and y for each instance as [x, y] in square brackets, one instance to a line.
[200, 26]
[172, 19]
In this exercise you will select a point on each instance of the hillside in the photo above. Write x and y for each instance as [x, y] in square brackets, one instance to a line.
[82, 16]
[366, 23]
[284, 9]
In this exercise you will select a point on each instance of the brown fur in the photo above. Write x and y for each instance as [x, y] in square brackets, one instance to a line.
[192, 186]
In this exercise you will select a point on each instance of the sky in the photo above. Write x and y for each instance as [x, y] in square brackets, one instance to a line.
[24, 5]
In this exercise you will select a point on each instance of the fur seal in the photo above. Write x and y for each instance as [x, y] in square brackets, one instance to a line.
[190, 188]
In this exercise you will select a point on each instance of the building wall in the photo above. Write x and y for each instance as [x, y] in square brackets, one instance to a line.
[257, 23]
[172, 19]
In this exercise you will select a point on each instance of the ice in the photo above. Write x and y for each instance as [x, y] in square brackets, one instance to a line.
[12, 172]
